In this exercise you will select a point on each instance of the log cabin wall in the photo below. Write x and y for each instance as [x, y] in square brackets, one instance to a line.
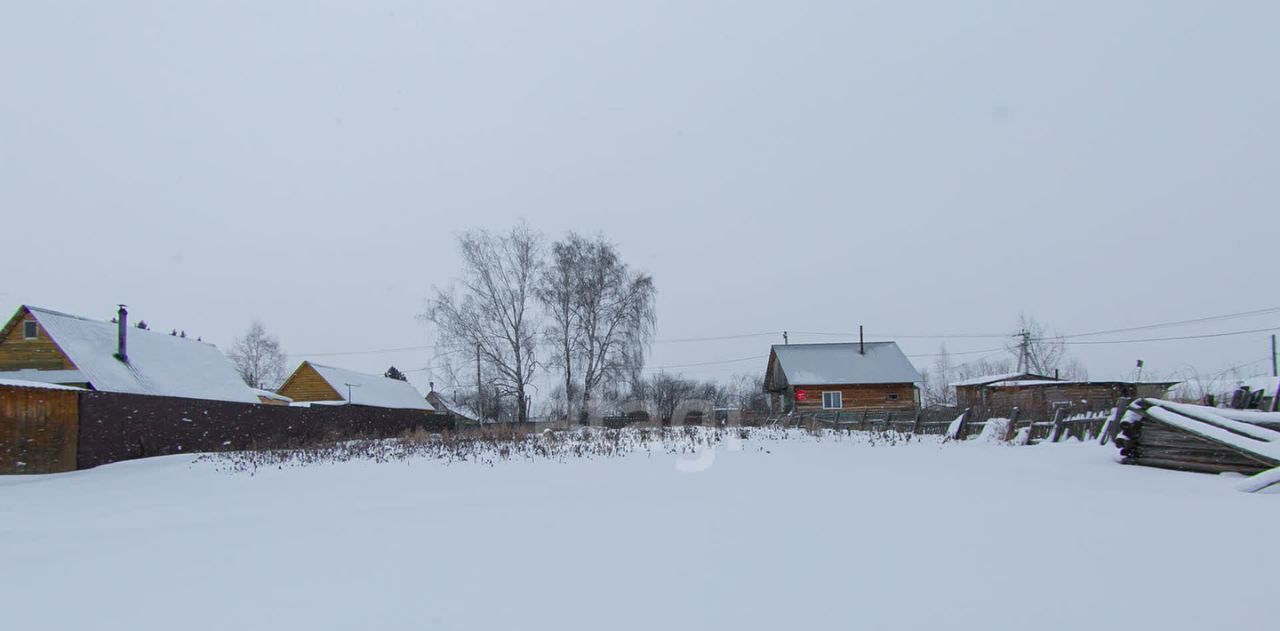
[305, 384]
[879, 396]
[17, 352]
[38, 430]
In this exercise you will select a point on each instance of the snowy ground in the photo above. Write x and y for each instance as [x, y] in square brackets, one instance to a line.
[781, 534]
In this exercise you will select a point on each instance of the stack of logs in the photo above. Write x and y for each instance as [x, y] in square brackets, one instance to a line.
[1144, 440]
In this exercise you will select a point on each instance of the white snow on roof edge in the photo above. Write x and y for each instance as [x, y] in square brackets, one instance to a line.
[38, 385]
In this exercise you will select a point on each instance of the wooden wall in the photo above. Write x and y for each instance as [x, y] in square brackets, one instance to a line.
[305, 384]
[38, 430]
[1039, 399]
[17, 353]
[861, 397]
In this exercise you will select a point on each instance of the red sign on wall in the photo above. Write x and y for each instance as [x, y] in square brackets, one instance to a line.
[801, 395]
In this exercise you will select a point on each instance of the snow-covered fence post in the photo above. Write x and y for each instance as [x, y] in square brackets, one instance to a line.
[1012, 430]
[956, 430]
[1112, 425]
[1055, 432]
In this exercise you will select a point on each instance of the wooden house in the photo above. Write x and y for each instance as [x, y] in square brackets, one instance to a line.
[873, 376]
[40, 345]
[316, 383]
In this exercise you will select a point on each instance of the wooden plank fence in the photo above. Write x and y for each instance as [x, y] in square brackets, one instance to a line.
[1066, 424]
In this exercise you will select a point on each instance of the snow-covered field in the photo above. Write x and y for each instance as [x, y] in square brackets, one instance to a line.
[790, 534]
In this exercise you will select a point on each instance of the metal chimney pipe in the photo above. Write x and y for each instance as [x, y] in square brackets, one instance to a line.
[122, 335]
[862, 345]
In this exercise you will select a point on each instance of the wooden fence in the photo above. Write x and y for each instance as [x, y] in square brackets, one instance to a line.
[961, 424]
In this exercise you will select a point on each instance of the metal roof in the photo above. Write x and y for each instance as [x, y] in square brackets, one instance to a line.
[986, 379]
[159, 363]
[842, 363]
[371, 390]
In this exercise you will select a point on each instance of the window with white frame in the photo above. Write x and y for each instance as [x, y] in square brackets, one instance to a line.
[832, 400]
[30, 330]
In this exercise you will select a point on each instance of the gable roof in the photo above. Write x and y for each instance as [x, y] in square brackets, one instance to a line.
[839, 364]
[440, 401]
[159, 363]
[371, 390]
[986, 379]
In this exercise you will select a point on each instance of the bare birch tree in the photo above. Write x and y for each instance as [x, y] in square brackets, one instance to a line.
[616, 316]
[492, 313]
[258, 357]
[558, 293]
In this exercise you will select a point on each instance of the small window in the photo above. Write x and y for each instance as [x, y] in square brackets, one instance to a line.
[832, 400]
[30, 330]
[893, 397]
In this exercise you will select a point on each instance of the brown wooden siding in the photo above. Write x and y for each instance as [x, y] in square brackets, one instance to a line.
[861, 397]
[1040, 398]
[305, 384]
[18, 353]
[38, 430]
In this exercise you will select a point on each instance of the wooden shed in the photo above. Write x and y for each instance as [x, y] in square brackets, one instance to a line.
[1041, 395]
[874, 376]
[39, 426]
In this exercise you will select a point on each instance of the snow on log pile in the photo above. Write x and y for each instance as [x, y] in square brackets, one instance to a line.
[1169, 435]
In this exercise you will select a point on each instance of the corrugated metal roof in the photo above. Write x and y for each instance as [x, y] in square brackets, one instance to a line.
[832, 364]
[159, 363]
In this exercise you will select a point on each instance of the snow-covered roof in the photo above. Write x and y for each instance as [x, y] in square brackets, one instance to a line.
[986, 379]
[63, 377]
[841, 363]
[452, 406]
[372, 390]
[1063, 382]
[271, 395]
[159, 363]
[18, 383]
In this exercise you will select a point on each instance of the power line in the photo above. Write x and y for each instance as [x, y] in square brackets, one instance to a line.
[713, 363]
[1200, 320]
[950, 354]
[1228, 316]
[369, 352]
[926, 337]
[1180, 337]
[715, 338]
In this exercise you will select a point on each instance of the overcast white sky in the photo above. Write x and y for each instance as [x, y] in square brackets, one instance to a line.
[920, 168]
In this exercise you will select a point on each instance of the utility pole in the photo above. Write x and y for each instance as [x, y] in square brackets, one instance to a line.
[1274, 372]
[349, 387]
[479, 390]
[1024, 351]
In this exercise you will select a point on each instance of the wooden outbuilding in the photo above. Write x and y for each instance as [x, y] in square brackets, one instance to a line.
[446, 405]
[872, 376]
[1042, 395]
[317, 383]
